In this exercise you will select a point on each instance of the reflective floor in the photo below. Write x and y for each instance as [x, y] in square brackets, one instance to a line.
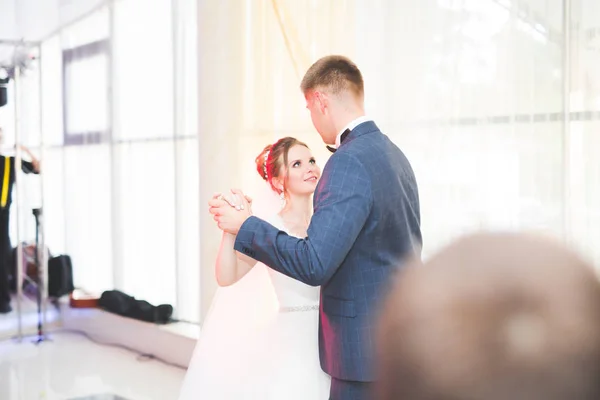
[29, 319]
[70, 367]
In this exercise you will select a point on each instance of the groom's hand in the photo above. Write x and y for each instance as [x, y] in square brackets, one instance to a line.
[230, 215]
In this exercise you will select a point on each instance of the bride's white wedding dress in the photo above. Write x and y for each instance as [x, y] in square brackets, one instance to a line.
[259, 341]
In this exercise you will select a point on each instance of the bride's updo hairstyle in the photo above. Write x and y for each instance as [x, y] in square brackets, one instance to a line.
[270, 161]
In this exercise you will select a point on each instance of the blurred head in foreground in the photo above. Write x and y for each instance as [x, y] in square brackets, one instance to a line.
[492, 317]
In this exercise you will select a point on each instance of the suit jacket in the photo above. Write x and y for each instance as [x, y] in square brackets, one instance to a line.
[366, 223]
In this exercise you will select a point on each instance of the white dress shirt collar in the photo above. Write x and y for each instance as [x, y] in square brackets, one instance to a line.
[353, 124]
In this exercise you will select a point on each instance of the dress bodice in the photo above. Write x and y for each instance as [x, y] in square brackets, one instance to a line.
[290, 292]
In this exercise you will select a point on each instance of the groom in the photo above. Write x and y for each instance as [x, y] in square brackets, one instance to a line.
[366, 222]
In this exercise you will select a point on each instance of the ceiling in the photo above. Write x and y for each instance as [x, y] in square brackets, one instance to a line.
[33, 20]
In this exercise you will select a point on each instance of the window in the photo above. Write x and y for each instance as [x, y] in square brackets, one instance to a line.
[85, 80]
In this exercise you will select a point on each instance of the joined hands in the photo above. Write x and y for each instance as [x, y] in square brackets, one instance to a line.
[230, 212]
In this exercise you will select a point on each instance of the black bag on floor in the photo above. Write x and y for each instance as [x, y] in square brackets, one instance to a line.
[127, 306]
[60, 276]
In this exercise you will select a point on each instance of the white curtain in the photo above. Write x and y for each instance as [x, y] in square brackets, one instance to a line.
[143, 77]
[471, 90]
[76, 155]
[252, 56]
[155, 157]
[584, 134]
[121, 185]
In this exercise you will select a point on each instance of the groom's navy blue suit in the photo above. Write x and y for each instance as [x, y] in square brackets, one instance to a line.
[366, 222]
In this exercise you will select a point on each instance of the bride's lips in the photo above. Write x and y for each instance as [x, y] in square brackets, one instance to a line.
[311, 179]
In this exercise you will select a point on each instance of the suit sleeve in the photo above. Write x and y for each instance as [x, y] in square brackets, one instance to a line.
[343, 201]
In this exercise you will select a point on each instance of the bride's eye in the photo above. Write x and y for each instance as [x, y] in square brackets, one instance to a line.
[296, 164]
[313, 161]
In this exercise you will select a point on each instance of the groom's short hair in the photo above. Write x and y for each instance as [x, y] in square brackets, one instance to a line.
[336, 73]
[493, 316]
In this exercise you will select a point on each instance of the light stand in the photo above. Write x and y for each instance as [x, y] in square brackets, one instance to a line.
[37, 212]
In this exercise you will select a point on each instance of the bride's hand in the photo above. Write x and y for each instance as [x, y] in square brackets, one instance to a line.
[220, 197]
[237, 202]
[217, 201]
[228, 219]
[234, 200]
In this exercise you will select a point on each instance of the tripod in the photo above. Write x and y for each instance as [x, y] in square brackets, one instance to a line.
[37, 212]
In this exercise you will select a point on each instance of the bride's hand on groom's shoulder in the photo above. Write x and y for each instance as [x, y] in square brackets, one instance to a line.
[230, 212]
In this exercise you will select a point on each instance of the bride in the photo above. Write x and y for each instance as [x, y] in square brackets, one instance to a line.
[260, 338]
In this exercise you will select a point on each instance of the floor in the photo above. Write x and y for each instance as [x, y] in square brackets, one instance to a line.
[71, 367]
[29, 320]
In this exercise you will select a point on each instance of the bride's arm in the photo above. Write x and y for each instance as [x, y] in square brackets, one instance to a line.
[231, 265]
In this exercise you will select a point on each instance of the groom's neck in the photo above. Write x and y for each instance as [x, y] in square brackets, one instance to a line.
[348, 114]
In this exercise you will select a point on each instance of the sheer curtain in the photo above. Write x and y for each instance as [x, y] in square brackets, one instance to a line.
[53, 152]
[282, 39]
[187, 202]
[252, 56]
[471, 90]
[584, 127]
[121, 166]
[76, 159]
[144, 149]
[155, 152]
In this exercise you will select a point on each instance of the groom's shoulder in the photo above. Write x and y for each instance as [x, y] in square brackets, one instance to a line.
[374, 151]
[359, 151]
[346, 161]
[345, 156]
[368, 145]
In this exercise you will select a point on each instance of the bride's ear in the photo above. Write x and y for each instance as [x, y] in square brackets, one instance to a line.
[278, 184]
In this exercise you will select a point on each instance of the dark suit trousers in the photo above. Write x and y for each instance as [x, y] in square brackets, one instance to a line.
[5, 249]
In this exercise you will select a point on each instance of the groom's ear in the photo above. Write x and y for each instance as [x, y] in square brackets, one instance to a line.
[321, 100]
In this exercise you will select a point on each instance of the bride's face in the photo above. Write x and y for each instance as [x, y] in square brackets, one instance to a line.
[303, 172]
